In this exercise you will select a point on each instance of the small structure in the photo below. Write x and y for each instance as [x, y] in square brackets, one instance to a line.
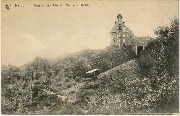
[93, 73]
[63, 98]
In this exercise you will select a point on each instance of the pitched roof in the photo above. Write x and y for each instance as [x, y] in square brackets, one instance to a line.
[140, 41]
[116, 27]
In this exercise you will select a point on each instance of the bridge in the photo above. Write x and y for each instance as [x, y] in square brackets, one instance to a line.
[139, 43]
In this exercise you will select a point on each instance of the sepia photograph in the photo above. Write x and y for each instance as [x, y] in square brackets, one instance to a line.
[90, 57]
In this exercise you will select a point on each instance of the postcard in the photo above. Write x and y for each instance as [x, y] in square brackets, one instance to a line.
[89, 57]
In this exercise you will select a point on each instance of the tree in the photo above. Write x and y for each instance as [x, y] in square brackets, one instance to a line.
[159, 62]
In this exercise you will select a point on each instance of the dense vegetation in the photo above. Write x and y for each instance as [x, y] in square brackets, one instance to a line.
[159, 62]
[147, 84]
[24, 89]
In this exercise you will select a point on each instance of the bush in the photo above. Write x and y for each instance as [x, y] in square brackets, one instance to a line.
[159, 62]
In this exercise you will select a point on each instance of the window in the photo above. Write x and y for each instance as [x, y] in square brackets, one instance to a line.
[124, 41]
[118, 41]
[120, 28]
[114, 39]
[123, 35]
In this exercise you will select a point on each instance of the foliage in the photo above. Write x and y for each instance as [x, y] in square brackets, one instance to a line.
[146, 84]
[23, 87]
[159, 62]
[117, 91]
[149, 85]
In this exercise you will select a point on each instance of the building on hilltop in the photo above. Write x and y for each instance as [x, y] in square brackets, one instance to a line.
[122, 35]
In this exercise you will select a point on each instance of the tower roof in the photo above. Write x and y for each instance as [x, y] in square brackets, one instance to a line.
[119, 16]
[119, 24]
[116, 27]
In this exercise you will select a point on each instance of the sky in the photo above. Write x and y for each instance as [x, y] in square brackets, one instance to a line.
[29, 31]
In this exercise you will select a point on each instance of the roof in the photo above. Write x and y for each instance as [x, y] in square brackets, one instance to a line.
[140, 41]
[116, 27]
[143, 38]
[93, 70]
[119, 15]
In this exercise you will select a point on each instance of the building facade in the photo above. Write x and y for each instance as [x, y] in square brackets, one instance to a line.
[121, 35]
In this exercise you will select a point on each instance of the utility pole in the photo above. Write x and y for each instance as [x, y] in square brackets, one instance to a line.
[31, 84]
[42, 73]
[51, 73]
[42, 76]
[58, 69]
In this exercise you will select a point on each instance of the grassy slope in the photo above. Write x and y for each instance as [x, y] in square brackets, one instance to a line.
[128, 69]
[118, 90]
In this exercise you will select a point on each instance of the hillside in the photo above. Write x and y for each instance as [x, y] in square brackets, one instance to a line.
[44, 80]
[118, 90]
[126, 83]
[148, 84]
[127, 69]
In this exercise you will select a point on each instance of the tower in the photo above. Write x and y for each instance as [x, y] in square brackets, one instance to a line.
[120, 34]
[119, 17]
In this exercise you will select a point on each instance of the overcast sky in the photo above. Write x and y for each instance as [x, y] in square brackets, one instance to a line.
[28, 32]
